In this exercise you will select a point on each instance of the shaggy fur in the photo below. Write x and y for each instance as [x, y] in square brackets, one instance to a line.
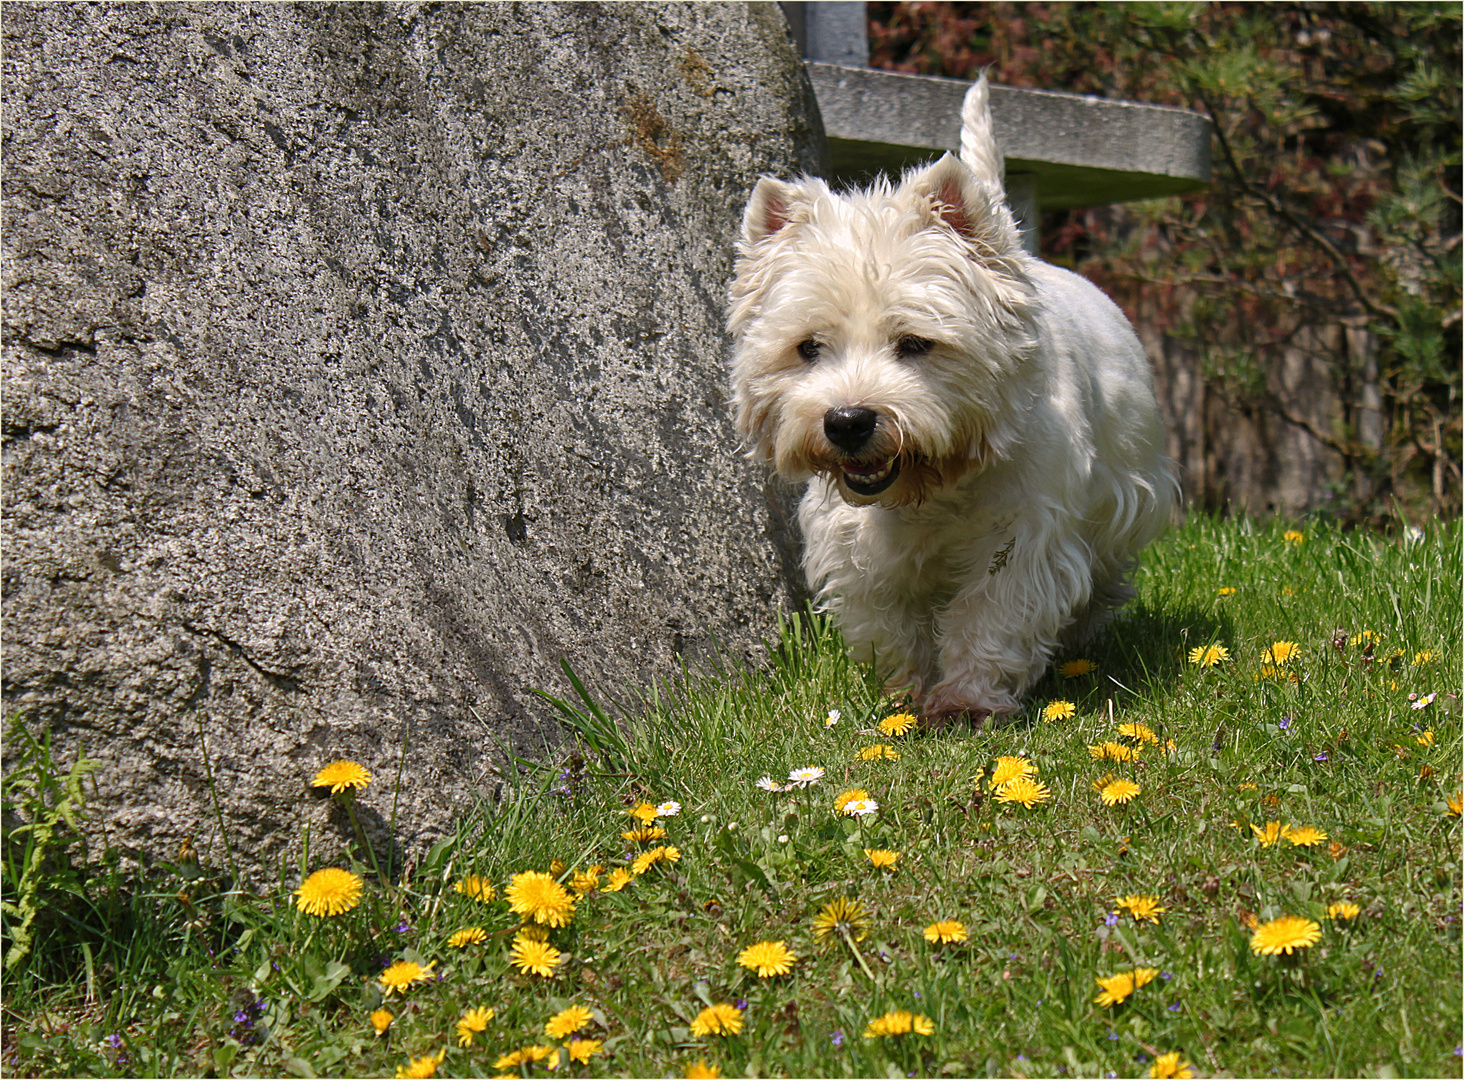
[978, 428]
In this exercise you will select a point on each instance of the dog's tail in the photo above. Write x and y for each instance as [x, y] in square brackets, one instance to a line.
[979, 151]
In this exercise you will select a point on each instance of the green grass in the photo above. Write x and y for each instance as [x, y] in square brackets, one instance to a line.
[229, 983]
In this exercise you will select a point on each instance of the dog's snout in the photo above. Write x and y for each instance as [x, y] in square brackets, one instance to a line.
[849, 428]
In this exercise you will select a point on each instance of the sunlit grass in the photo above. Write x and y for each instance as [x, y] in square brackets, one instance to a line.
[1234, 760]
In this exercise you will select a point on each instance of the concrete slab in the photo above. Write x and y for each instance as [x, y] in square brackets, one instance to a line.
[1082, 151]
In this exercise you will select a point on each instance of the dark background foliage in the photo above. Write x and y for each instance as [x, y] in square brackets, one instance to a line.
[1309, 300]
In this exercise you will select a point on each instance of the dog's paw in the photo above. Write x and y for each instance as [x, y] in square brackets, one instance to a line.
[956, 717]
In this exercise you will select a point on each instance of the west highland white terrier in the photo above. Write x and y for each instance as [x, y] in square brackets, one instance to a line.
[978, 428]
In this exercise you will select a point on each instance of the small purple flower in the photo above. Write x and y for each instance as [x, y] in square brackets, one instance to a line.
[402, 927]
[917, 995]
[1284, 723]
[1113, 1036]
[1166, 975]
[837, 1038]
[242, 1017]
[742, 1004]
[1111, 919]
[114, 1040]
[1174, 1007]
[1322, 757]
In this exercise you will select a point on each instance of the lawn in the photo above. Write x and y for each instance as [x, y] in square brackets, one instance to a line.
[1225, 840]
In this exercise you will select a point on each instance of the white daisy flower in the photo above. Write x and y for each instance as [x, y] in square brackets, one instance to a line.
[809, 774]
[1423, 702]
[767, 783]
[669, 808]
[860, 807]
[833, 718]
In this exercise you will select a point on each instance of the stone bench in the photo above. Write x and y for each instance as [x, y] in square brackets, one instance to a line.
[1063, 150]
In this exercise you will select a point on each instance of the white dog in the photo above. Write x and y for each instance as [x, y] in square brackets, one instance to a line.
[979, 427]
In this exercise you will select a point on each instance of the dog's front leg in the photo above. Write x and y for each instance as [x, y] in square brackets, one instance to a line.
[997, 635]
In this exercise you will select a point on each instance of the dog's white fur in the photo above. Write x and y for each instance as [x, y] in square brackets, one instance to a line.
[1011, 400]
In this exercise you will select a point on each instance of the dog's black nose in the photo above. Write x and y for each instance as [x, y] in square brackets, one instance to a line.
[850, 428]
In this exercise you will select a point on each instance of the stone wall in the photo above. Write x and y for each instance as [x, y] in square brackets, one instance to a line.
[361, 362]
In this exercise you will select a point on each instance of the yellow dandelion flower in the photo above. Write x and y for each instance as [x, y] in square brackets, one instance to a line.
[567, 1021]
[767, 958]
[1367, 637]
[1285, 934]
[331, 891]
[719, 1019]
[619, 878]
[418, 1068]
[1170, 1067]
[882, 858]
[1139, 733]
[878, 751]
[381, 1020]
[1023, 790]
[403, 975]
[1225, 590]
[534, 957]
[1113, 751]
[1008, 769]
[643, 812]
[1142, 908]
[945, 932]
[476, 887]
[1304, 835]
[585, 882]
[1427, 656]
[899, 1022]
[582, 1050]
[1280, 652]
[898, 724]
[529, 1055]
[532, 932]
[1059, 710]
[1208, 655]
[1117, 988]
[644, 835]
[473, 1022]
[1426, 739]
[340, 775]
[556, 867]
[1343, 909]
[647, 859]
[1270, 835]
[473, 935]
[700, 1070]
[1291, 536]
[841, 916]
[852, 795]
[1118, 792]
[1075, 668]
[540, 897]
[1455, 803]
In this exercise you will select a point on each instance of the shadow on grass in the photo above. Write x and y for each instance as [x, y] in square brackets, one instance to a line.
[1143, 651]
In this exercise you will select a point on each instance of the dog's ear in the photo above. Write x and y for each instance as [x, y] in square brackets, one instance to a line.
[769, 209]
[975, 211]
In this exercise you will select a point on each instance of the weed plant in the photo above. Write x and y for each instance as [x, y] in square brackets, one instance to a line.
[1285, 703]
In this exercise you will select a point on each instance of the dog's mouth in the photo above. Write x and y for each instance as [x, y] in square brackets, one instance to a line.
[868, 480]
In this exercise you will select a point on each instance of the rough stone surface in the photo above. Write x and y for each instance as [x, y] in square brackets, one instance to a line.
[361, 362]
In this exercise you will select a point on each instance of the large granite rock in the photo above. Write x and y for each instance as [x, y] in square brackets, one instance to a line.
[360, 363]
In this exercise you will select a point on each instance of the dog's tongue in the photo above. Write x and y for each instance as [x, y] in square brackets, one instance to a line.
[872, 479]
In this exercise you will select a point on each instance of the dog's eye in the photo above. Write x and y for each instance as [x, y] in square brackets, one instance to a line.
[910, 345]
[808, 349]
